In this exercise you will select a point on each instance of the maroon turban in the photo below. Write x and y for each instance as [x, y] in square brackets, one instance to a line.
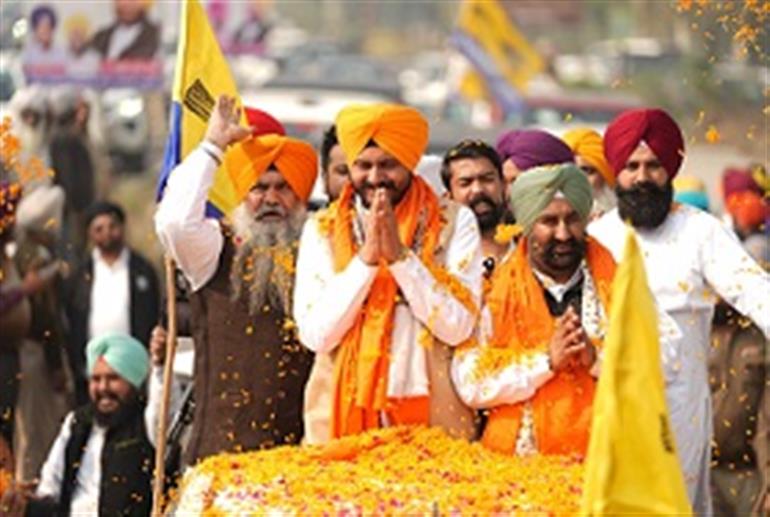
[528, 148]
[653, 126]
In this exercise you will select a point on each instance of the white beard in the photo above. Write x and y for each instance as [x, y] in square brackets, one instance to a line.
[263, 266]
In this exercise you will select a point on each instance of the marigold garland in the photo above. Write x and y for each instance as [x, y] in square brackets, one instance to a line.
[505, 233]
[393, 471]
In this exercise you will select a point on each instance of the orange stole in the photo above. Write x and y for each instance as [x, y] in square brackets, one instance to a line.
[361, 367]
[562, 407]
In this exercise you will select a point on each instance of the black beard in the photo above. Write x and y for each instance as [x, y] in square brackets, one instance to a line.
[128, 408]
[646, 204]
[112, 247]
[563, 261]
[487, 221]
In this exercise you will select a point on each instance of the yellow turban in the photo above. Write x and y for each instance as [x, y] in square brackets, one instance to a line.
[587, 144]
[398, 130]
[295, 160]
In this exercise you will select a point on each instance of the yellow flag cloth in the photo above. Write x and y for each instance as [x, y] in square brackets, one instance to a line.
[632, 466]
[200, 77]
[398, 130]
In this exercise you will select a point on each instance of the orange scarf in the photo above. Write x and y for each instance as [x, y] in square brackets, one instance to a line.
[523, 325]
[361, 368]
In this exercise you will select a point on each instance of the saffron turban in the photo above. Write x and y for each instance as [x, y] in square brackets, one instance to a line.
[535, 189]
[655, 127]
[587, 144]
[747, 209]
[528, 148]
[398, 130]
[295, 160]
[127, 356]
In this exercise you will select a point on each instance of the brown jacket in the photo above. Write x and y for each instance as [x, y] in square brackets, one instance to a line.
[250, 372]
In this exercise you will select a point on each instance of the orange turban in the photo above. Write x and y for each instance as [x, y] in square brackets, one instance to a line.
[748, 209]
[295, 160]
[587, 144]
[398, 130]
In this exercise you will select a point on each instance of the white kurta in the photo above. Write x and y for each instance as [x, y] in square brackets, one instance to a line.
[194, 241]
[326, 303]
[110, 296]
[688, 258]
[85, 498]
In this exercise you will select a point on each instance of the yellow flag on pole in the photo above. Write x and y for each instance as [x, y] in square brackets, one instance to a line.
[632, 466]
[201, 76]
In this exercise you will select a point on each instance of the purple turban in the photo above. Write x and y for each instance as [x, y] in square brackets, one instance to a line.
[529, 148]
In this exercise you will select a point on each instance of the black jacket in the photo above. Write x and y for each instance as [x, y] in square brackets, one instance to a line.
[144, 310]
[125, 487]
[145, 46]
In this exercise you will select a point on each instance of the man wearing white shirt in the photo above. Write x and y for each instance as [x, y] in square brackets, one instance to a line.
[114, 290]
[250, 370]
[688, 255]
[388, 278]
[131, 36]
[102, 460]
[471, 172]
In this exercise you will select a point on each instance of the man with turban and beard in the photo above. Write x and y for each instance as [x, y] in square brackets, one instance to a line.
[534, 367]
[688, 255]
[523, 149]
[589, 156]
[388, 280]
[472, 174]
[250, 369]
[100, 463]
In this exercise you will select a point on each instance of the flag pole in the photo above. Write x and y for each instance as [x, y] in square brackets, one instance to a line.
[168, 372]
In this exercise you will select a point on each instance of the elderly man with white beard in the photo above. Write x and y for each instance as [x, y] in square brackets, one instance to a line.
[250, 369]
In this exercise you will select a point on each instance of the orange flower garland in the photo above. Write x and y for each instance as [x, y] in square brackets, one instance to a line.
[393, 471]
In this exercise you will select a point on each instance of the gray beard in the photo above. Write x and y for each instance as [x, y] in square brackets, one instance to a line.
[255, 274]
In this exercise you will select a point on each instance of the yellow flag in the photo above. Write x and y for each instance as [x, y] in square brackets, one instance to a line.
[632, 466]
[504, 46]
[201, 76]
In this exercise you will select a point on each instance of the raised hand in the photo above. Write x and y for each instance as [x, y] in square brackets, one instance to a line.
[224, 128]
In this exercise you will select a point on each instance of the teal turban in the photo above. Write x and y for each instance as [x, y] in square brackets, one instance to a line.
[535, 189]
[127, 356]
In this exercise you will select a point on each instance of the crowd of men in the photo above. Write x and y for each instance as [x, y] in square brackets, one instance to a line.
[482, 310]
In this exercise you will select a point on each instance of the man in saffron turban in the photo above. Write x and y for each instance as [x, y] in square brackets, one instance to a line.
[689, 255]
[250, 370]
[534, 367]
[388, 279]
[589, 156]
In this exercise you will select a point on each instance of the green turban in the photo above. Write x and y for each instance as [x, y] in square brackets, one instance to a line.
[127, 356]
[533, 190]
